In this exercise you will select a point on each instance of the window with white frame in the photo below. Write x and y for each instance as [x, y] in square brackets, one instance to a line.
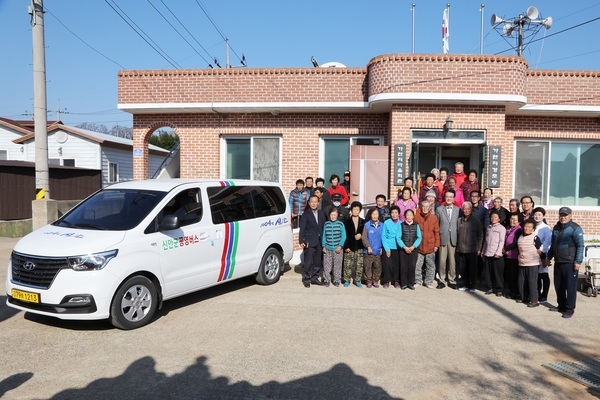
[3, 154]
[68, 162]
[558, 173]
[335, 152]
[254, 157]
[113, 172]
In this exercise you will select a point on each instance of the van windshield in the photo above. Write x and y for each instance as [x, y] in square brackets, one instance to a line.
[115, 210]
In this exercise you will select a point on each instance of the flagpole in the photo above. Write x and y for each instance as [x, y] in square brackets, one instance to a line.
[413, 27]
[481, 41]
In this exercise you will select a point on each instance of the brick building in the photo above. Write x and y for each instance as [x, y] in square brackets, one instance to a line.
[534, 132]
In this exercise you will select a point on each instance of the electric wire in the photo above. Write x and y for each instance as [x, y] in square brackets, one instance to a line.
[154, 46]
[217, 28]
[82, 41]
[554, 34]
[190, 33]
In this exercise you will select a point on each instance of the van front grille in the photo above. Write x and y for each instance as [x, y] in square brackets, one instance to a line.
[36, 271]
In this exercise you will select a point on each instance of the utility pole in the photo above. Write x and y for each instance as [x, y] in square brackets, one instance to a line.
[42, 180]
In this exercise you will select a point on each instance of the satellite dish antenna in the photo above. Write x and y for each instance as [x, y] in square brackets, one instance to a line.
[496, 20]
[507, 29]
[532, 12]
[547, 22]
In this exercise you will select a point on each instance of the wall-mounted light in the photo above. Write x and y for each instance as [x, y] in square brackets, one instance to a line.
[447, 126]
[275, 112]
[60, 151]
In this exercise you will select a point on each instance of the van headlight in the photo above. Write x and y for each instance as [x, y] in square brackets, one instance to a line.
[91, 262]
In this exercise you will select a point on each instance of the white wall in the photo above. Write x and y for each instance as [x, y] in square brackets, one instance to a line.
[13, 150]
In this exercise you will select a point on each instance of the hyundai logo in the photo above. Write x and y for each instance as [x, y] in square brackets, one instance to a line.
[29, 265]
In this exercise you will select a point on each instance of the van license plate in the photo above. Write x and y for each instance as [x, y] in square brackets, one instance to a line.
[25, 296]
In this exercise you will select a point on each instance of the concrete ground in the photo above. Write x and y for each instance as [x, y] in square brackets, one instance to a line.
[245, 341]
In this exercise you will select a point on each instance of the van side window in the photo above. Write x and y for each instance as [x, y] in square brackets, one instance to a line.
[237, 203]
[186, 206]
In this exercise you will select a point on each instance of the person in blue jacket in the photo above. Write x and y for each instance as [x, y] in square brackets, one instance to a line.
[567, 250]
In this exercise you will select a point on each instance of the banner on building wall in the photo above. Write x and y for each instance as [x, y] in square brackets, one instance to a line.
[399, 164]
[494, 166]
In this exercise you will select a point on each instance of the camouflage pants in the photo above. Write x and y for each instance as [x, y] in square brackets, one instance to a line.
[353, 259]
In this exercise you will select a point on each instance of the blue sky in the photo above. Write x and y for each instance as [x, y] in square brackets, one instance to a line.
[270, 33]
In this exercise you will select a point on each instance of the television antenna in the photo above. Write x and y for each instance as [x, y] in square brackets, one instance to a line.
[526, 26]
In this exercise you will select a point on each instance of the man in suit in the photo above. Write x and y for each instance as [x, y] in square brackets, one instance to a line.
[447, 215]
[311, 229]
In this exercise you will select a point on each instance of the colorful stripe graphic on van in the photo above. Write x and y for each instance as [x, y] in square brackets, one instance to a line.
[229, 253]
[226, 183]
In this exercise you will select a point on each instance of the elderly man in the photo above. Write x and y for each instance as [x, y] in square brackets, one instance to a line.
[567, 251]
[459, 174]
[447, 215]
[430, 233]
[468, 248]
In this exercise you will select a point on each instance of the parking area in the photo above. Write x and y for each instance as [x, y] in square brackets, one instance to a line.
[242, 340]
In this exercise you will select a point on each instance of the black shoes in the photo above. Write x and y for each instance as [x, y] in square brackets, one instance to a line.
[440, 286]
[307, 285]
[489, 292]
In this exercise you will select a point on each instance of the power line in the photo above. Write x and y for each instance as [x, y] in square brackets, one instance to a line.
[554, 34]
[82, 41]
[219, 31]
[186, 29]
[154, 46]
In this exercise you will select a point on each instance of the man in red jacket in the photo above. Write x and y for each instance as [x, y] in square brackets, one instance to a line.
[430, 232]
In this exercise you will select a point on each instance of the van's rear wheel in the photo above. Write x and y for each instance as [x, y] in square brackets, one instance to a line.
[270, 267]
[134, 303]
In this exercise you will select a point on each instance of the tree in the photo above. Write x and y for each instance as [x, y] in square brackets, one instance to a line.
[164, 139]
[92, 126]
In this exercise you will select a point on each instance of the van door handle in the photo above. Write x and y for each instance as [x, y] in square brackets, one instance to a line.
[204, 237]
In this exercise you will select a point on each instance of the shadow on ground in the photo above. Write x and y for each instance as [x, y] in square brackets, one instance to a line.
[142, 381]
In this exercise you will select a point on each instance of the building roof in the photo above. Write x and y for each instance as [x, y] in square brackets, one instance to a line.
[100, 138]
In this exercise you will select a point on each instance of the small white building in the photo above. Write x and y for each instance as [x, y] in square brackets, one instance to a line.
[74, 147]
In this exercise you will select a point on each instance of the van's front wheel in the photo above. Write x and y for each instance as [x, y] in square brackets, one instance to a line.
[134, 303]
[270, 267]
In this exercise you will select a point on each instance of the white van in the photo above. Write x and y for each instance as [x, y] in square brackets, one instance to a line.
[126, 248]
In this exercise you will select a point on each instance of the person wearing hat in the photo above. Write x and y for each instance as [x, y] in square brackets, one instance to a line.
[567, 251]
[346, 183]
[428, 185]
[336, 200]
[431, 197]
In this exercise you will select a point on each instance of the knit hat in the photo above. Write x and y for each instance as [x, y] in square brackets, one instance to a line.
[430, 193]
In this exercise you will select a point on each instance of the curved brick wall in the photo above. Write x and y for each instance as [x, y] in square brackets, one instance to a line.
[436, 73]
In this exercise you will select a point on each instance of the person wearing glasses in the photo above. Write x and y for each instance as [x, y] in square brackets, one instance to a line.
[527, 206]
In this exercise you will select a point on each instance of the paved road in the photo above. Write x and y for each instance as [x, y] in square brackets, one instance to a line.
[241, 340]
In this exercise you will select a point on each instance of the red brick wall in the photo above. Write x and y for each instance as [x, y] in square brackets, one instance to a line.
[243, 85]
[200, 138]
[436, 73]
[563, 87]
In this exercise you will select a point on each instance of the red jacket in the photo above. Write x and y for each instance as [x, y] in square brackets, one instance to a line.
[430, 231]
[339, 189]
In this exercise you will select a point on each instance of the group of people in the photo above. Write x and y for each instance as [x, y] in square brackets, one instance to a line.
[445, 231]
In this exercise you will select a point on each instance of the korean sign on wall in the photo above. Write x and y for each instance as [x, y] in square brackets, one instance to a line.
[494, 166]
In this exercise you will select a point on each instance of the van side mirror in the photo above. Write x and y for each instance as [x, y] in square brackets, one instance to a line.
[169, 223]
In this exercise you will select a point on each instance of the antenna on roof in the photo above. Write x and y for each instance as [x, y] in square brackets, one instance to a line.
[314, 61]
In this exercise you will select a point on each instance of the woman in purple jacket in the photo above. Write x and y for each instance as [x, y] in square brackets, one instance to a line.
[511, 262]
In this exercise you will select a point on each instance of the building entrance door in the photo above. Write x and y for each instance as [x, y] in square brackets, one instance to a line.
[427, 156]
